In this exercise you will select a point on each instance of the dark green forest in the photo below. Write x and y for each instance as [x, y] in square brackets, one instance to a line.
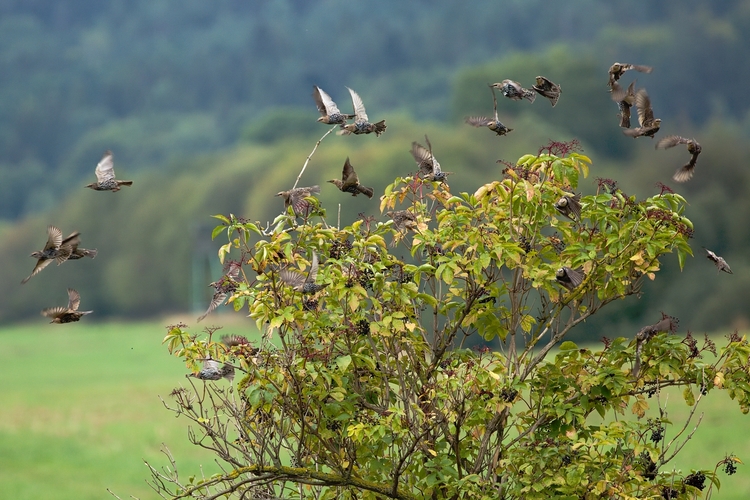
[207, 107]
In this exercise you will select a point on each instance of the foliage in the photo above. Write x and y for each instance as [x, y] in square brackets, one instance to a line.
[368, 390]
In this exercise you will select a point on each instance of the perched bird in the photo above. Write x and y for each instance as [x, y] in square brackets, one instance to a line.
[625, 100]
[569, 278]
[493, 124]
[429, 168]
[648, 124]
[105, 175]
[721, 264]
[349, 182]
[296, 198]
[403, 219]
[513, 90]
[300, 282]
[223, 287]
[330, 113]
[570, 206]
[617, 70]
[547, 89]
[68, 314]
[361, 123]
[685, 173]
[77, 253]
[54, 249]
[212, 370]
[667, 324]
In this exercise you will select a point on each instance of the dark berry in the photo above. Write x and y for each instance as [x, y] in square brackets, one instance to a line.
[696, 479]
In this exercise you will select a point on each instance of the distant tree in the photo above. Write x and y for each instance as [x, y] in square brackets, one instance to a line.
[365, 389]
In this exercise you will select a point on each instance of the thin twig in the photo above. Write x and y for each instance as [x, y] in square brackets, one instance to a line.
[310, 155]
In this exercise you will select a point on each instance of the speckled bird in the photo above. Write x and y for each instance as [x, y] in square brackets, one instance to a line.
[569, 278]
[721, 264]
[68, 314]
[429, 167]
[548, 89]
[75, 252]
[301, 283]
[513, 90]
[105, 175]
[648, 124]
[223, 288]
[493, 124]
[685, 173]
[296, 198]
[361, 123]
[617, 69]
[330, 113]
[212, 370]
[54, 249]
[349, 182]
[403, 219]
[570, 206]
[625, 98]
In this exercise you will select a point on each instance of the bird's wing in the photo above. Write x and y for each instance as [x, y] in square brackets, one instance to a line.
[72, 241]
[292, 278]
[40, 264]
[54, 238]
[576, 277]
[323, 101]
[74, 299]
[670, 141]
[348, 175]
[53, 312]
[638, 67]
[494, 107]
[423, 157]
[645, 113]
[313, 274]
[234, 271]
[359, 107]
[479, 121]
[216, 301]
[105, 169]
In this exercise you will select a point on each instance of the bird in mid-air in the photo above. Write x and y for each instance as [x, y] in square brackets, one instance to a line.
[569, 278]
[223, 287]
[301, 283]
[548, 89]
[570, 206]
[105, 175]
[330, 113]
[361, 123]
[54, 249]
[349, 182]
[429, 168]
[296, 199]
[648, 124]
[68, 314]
[617, 69]
[513, 90]
[684, 173]
[721, 264]
[493, 124]
[75, 252]
[625, 98]
[212, 370]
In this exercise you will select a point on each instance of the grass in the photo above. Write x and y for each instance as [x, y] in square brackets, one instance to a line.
[80, 413]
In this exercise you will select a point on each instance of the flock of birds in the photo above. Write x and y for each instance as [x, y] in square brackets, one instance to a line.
[61, 250]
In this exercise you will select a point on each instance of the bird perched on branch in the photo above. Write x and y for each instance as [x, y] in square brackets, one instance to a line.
[667, 324]
[429, 168]
[68, 314]
[548, 89]
[569, 278]
[330, 113]
[349, 182]
[685, 173]
[301, 283]
[296, 198]
[212, 370]
[570, 206]
[625, 98]
[513, 90]
[223, 287]
[404, 220]
[105, 175]
[618, 69]
[648, 124]
[361, 123]
[721, 264]
[493, 124]
[54, 249]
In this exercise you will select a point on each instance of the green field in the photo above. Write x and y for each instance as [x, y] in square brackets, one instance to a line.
[80, 413]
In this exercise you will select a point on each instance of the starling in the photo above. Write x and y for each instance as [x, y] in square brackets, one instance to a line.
[330, 113]
[667, 324]
[570, 206]
[429, 168]
[77, 253]
[105, 175]
[361, 123]
[648, 124]
[403, 220]
[569, 278]
[300, 282]
[493, 124]
[625, 100]
[548, 89]
[513, 90]
[685, 173]
[55, 249]
[296, 198]
[223, 287]
[213, 371]
[68, 314]
[349, 182]
[617, 70]
[721, 264]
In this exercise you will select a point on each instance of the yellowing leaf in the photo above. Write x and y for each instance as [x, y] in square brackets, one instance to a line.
[719, 380]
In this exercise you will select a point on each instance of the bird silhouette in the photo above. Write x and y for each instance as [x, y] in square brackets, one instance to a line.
[569, 278]
[349, 182]
[548, 89]
[105, 175]
[721, 264]
[429, 167]
[570, 206]
[684, 173]
[301, 283]
[68, 314]
[330, 113]
[361, 123]
[223, 288]
[625, 98]
[54, 249]
[648, 124]
[617, 69]
[513, 90]
[493, 124]
[296, 199]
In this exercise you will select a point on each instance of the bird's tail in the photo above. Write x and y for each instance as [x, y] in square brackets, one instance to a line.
[124, 183]
[379, 127]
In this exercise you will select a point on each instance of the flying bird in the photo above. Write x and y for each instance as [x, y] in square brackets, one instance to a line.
[296, 198]
[617, 70]
[349, 182]
[493, 124]
[685, 173]
[429, 168]
[301, 283]
[569, 278]
[721, 264]
[625, 100]
[68, 314]
[223, 287]
[54, 249]
[105, 175]
[570, 206]
[548, 89]
[648, 124]
[361, 123]
[330, 113]
[212, 370]
[513, 90]
[76, 253]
